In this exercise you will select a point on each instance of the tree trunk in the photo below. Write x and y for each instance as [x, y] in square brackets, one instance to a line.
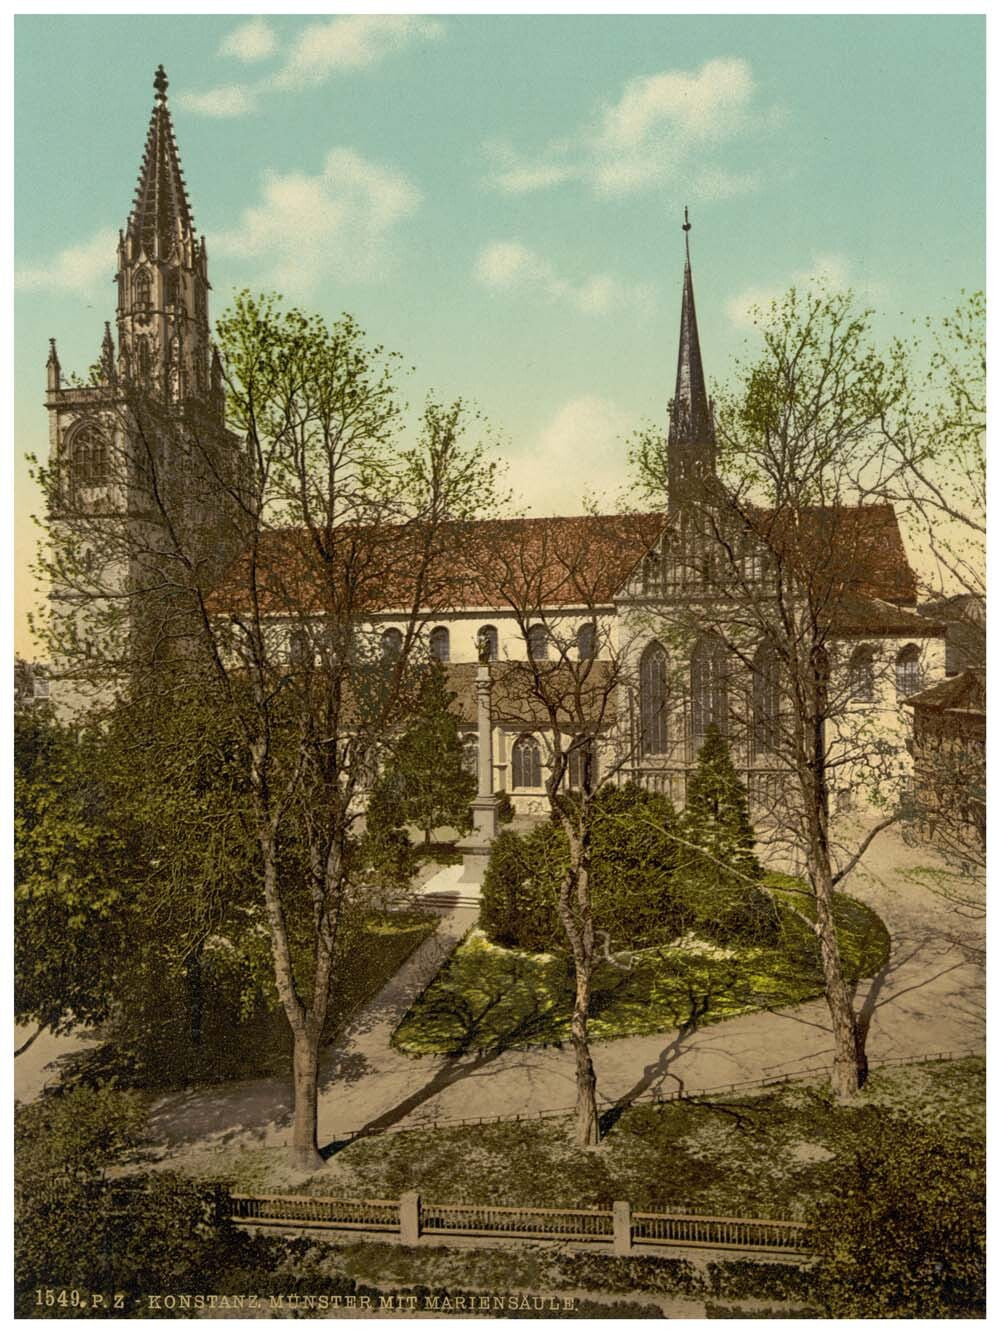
[195, 994]
[305, 1063]
[588, 1127]
[850, 1064]
[427, 837]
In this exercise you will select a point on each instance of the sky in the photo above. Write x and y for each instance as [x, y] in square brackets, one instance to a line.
[499, 199]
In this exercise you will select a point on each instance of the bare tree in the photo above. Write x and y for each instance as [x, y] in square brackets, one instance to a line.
[251, 564]
[559, 579]
[774, 587]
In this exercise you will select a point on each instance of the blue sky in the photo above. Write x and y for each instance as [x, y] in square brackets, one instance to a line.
[499, 199]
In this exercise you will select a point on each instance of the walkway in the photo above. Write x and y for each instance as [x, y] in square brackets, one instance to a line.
[929, 999]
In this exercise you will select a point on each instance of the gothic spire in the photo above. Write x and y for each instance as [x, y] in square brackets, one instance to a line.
[690, 413]
[160, 212]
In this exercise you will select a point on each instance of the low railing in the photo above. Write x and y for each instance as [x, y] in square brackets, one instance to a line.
[314, 1210]
[485, 1220]
[718, 1233]
[617, 1229]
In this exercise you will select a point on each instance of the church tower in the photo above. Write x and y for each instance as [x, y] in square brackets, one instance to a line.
[691, 438]
[152, 406]
[163, 334]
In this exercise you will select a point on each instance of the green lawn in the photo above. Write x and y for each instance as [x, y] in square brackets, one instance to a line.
[487, 997]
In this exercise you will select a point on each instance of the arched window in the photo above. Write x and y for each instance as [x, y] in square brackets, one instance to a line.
[489, 642]
[708, 687]
[142, 358]
[653, 700]
[171, 289]
[392, 644]
[538, 643]
[440, 644]
[861, 674]
[581, 759]
[907, 670]
[87, 459]
[143, 292]
[586, 641]
[470, 753]
[526, 763]
[766, 699]
[300, 649]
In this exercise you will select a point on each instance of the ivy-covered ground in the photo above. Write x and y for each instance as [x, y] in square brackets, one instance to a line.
[487, 997]
[757, 1154]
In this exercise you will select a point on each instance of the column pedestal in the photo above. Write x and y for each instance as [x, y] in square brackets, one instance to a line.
[475, 848]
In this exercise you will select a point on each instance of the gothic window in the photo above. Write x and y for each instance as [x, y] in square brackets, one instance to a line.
[526, 762]
[142, 358]
[580, 758]
[488, 638]
[708, 687]
[440, 644]
[861, 674]
[907, 671]
[766, 699]
[392, 644]
[143, 290]
[300, 649]
[87, 459]
[171, 288]
[653, 700]
[470, 754]
[538, 643]
[586, 641]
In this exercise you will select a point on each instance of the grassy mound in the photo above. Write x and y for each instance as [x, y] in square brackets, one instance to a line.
[487, 997]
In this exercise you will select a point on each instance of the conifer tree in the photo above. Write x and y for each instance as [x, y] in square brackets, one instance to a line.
[426, 774]
[717, 833]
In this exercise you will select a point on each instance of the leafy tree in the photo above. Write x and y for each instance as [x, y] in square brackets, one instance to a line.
[245, 567]
[71, 859]
[781, 547]
[425, 778]
[75, 1228]
[903, 1232]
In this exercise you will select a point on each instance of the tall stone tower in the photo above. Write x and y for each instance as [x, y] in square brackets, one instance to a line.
[691, 439]
[128, 444]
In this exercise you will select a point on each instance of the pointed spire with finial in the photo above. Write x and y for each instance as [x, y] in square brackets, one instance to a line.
[691, 438]
[108, 371]
[53, 371]
[160, 213]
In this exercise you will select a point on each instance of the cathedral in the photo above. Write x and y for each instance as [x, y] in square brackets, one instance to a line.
[620, 592]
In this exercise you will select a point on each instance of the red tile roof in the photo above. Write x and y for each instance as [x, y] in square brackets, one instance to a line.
[543, 562]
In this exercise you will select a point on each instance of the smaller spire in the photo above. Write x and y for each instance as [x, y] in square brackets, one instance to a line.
[685, 228]
[53, 371]
[108, 355]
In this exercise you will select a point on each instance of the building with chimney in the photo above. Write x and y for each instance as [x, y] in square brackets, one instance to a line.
[632, 596]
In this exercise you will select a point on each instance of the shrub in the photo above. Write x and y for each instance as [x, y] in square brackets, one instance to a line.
[632, 858]
[903, 1231]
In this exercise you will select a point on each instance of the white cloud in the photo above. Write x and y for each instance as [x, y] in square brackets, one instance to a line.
[659, 131]
[831, 271]
[350, 41]
[509, 266]
[253, 40]
[586, 440]
[337, 223]
[230, 99]
[79, 269]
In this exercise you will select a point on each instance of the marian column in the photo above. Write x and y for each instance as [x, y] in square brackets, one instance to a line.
[476, 847]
